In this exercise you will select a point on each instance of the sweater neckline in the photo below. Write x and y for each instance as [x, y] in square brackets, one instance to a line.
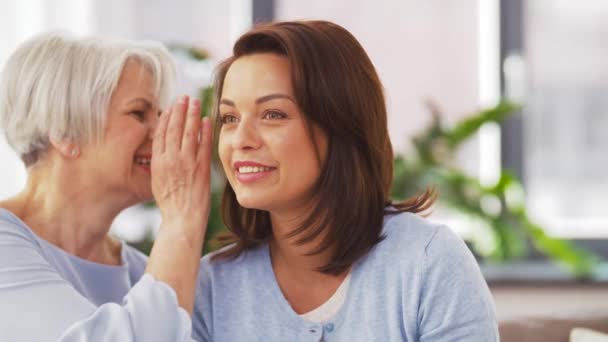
[74, 258]
[294, 319]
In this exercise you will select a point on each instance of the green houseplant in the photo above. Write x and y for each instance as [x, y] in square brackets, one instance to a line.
[508, 224]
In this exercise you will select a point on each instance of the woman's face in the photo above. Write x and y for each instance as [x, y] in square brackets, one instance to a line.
[265, 145]
[121, 163]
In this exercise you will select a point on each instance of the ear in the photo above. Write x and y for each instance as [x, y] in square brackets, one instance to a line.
[66, 148]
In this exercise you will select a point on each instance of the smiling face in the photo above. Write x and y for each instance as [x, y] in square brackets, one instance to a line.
[120, 165]
[270, 156]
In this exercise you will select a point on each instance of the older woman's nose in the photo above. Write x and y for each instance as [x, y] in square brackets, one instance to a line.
[152, 124]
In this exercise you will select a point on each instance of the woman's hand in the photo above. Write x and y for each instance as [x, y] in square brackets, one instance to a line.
[181, 181]
[181, 164]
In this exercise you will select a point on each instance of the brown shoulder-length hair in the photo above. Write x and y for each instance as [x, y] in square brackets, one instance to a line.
[337, 88]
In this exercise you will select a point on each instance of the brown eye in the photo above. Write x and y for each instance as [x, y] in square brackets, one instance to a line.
[274, 115]
[228, 119]
[139, 114]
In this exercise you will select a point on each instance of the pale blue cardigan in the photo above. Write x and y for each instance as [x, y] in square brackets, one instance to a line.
[421, 283]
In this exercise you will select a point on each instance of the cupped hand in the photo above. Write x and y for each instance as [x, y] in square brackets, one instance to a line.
[181, 163]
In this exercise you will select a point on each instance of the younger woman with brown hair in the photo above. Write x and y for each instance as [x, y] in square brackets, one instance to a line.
[320, 251]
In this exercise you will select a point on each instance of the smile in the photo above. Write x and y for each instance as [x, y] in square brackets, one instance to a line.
[250, 172]
[253, 169]
[143, 161]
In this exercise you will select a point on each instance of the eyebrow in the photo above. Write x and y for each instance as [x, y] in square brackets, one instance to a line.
[262, 99]
[147, 103]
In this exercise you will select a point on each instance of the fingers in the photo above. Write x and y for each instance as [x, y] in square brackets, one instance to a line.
[158, 145]
[175, 129]
[205, 145]
[192, 129]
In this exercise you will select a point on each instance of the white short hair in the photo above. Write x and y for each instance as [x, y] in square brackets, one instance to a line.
[59, 86]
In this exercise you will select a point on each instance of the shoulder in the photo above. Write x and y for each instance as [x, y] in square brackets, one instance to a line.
[21, 254]
[223, 286]
[241, 275]
[247, 268]
[411, 231]
[226, 266]
[408, 236]
[435, 250]
[13, 231]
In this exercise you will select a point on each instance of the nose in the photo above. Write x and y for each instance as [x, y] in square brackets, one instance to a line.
[152, 124]
[246, 135]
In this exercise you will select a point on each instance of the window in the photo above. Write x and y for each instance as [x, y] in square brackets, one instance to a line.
[562, 129]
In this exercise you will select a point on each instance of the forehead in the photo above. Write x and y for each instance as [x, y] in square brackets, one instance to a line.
[135, 80]
[257, 75]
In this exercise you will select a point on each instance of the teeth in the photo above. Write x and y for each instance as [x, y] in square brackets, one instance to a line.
[143, 161]
[253, 169]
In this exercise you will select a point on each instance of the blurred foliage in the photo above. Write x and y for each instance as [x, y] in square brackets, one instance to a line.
[500, 208]
[193, 52]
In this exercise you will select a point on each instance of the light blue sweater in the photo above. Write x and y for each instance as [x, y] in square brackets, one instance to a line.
[420, 283]
[47, 294]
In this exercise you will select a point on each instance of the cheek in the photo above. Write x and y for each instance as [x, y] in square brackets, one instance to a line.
[297, 155]
[223, 150]
[283, 147]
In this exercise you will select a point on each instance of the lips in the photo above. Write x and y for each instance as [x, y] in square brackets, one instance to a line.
[250, 166]
[143, 161]
[250, 171]
[253, 169]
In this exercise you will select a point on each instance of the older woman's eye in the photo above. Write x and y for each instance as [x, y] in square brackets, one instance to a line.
[274, 115]
[139, 114]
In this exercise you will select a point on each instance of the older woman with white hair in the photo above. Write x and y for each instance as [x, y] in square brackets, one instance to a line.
[85, 117]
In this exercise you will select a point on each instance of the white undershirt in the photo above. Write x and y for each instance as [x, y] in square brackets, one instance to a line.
[328, 310]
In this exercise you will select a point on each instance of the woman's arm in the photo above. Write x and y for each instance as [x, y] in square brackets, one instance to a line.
[181, 161]
[455, 304]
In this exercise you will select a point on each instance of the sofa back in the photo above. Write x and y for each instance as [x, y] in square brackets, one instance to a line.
[554, 329]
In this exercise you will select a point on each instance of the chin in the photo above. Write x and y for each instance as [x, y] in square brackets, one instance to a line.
[144, 195]
[252, 202]
[149, 198]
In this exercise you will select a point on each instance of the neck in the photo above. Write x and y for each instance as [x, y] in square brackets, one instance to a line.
[67, 214]
[297, 275]
[289, 253]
